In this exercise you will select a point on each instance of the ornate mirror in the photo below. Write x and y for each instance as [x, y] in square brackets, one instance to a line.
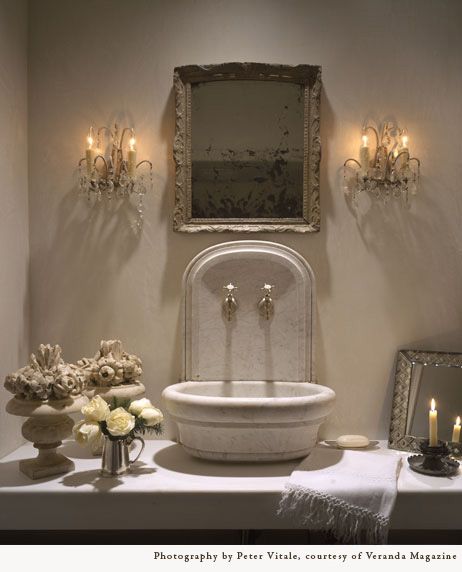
[421, 376]
[247, 148]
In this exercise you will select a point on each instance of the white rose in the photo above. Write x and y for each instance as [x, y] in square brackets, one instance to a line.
[136, 407]
[86, 432]
[151, 416]
[120, 422]
[96, 410]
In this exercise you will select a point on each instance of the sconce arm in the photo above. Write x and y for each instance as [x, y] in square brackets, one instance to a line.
[104, 128]
[374, 131]
[399, 155]
[353, 161]
[106, 170]
[132, 132]
[142, 163]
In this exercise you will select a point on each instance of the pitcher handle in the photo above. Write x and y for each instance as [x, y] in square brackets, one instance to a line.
[140, 451]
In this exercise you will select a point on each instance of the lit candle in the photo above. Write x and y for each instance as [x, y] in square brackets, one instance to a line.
[364, 156]
[404, 142]
[456, 431]
[404, 148]
[90, 153]
[132, 157]
[433, 424]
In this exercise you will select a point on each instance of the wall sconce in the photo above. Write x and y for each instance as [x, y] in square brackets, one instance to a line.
[116, 174]
[384, 170]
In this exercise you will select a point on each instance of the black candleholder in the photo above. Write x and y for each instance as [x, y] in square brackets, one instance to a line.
[455, 449]
[434, 461]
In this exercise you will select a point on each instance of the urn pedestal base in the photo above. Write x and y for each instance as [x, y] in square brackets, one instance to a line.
[48, 424]
[47, 464]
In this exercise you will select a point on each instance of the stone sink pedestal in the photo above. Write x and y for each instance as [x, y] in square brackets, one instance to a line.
[248, 390]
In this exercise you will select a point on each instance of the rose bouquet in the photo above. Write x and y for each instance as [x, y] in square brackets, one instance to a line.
[117, 420]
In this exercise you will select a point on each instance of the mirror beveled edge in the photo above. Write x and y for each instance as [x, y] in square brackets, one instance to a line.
[398, 439]
[307, 75]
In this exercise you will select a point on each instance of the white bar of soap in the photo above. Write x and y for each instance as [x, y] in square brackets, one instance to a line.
[352, 441]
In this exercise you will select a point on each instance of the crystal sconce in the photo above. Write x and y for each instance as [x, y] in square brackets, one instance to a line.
[116, 174]
[385, 169]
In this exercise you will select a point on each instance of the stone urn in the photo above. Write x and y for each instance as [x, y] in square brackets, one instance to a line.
[46, 391]
[47, 425]
[127, 391]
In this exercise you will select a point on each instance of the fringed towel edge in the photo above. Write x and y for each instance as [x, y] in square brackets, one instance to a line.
[348, 523]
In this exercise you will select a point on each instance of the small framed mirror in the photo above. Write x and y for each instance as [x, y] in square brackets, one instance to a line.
[419, 377]
[247, 148]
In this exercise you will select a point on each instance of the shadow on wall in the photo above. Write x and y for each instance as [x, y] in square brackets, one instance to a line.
[96, 242]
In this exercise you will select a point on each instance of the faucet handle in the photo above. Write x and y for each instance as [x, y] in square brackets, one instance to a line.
[230, 288]
[267, 289]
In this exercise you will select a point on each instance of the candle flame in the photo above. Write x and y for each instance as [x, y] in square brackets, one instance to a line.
[132, 144]
[405, 140]
[458, 421]
[365, 140]
[433, 405]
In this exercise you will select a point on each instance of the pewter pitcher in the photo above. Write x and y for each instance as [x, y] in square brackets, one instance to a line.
[115, 458]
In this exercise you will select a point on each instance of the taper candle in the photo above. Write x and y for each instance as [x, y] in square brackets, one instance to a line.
[405, 148]
[404, 142]
[132, 158]
[90, 153]
[433, 424]
[456, 431]
[364, 156]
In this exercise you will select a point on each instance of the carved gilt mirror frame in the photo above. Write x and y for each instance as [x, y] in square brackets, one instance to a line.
[407, 378]
[309, 78]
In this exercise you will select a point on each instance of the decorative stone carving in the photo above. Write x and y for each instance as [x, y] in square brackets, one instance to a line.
[47, 377]
[46, 391]
[111, 366]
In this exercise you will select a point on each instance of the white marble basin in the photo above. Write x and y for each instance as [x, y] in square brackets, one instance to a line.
[248, 420]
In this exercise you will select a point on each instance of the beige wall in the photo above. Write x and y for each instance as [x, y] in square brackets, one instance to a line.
[14, 224]
[386, 279]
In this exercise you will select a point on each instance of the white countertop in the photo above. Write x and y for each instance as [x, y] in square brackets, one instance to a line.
[168, 489]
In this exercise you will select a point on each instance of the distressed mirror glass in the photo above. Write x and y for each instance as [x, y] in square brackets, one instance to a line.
[421, 376]
[247, 148]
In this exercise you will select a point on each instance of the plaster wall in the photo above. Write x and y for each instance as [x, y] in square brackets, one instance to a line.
[14, 218]
[386, 278]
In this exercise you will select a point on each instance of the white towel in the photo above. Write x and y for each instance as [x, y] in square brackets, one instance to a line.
[349, 493]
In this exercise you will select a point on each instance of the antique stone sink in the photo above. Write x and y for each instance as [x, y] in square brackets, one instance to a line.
[248, 420]
[248, 390]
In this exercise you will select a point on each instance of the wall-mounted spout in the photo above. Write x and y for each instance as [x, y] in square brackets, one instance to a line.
[229, 303]
[266, 304]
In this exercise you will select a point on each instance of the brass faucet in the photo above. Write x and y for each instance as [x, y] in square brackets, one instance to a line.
[229, 303]
[266, 304]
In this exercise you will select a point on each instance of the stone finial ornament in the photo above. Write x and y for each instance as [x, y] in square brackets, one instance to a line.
[111, 366]
[47, 377]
